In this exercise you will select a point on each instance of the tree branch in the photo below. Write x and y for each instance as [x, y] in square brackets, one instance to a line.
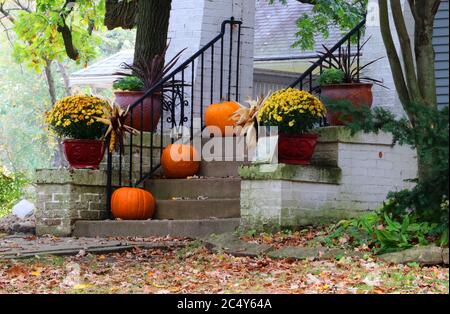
[66, 78]
[413, 9]
[435, 7]
[50, 80]
[406, 50]
[66, 32]
[394, 60]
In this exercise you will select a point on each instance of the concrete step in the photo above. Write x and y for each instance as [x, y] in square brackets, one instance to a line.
[217, 188]
[225, 148]
[147, 228]
[221, 169]
[197, 209]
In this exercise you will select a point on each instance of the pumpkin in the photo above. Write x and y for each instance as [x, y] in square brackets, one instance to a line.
[179, 161]
[219, 116]
[132, 204]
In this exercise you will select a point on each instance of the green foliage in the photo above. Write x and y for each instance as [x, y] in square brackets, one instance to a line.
[342, 13]
[113, 41]
[331, 76]
[24, 143]
[129, 83]
[38, 39]
[10, 190]
[383, 234]
[427, 130]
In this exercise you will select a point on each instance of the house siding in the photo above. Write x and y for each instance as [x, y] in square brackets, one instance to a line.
[441, 46]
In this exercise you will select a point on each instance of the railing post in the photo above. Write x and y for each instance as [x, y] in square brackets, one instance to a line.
[170, 84]
[108, 176]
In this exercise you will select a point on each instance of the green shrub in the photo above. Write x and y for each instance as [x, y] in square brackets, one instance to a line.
[429, 134]
[331, 76]
[383, 234]
[129, 83]
[10, 190]
[426, 204]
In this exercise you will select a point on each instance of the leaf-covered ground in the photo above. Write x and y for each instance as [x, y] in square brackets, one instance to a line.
[195, 270]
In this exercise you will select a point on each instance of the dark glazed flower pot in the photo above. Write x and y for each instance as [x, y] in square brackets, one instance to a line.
[84, 154]
[149, 121]
[359, 94]
[296, 149]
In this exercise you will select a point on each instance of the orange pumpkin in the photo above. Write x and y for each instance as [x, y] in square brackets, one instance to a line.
[132, 204]
[180, 161]
[218, 115]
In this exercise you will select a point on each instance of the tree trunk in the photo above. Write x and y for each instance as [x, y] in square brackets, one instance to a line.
[50, 81]
[66, 79]
[425, 60]
[120, 14]
[152, 29]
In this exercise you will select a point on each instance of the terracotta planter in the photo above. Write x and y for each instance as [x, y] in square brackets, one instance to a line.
[359, 94]
[296, 149]
[127, 98]
[84, 154]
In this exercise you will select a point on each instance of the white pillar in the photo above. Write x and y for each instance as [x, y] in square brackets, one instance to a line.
[193, 24]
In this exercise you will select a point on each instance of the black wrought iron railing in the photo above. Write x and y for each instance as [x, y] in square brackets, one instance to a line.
[172, 105]
[348, 47]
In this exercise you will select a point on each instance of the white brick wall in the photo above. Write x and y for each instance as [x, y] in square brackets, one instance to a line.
[371, 167]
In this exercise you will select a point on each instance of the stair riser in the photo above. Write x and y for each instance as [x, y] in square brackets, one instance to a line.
[217, 189]
[182, 228]
[220, 169]
[191, 210]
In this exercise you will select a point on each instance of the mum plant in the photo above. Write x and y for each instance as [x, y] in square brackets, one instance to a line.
[75, 117]
[293, 111]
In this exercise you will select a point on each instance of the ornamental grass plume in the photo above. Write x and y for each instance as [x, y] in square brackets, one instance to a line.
[247, 118]
[115, 118]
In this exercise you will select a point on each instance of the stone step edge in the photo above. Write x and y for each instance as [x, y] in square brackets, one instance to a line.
[230, 243]
[309, 173]
[176, 228]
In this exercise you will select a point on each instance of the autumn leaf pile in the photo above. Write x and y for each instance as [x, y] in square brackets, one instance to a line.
[193, 269]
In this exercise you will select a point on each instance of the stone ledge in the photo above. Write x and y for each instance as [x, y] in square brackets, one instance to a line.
[71, 176]
[424, 255]
[78, 177]
[313, 174]
[231, 244]
[341, 134]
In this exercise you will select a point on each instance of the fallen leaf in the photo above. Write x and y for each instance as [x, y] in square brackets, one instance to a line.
[82, 286]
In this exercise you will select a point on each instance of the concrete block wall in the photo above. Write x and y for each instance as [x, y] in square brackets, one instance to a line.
[354, 175]
[65, 196]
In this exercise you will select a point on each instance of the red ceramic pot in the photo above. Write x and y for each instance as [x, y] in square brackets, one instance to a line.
[127, 98]
[359, 94]
[296, 149]
[84, 154]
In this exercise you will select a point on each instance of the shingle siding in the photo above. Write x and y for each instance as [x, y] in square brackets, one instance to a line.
[441, 46]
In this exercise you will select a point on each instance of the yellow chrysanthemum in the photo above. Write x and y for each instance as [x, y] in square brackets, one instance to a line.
[289, 107]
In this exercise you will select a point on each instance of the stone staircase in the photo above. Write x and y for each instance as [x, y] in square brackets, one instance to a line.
[214, 195]
[194, 207]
